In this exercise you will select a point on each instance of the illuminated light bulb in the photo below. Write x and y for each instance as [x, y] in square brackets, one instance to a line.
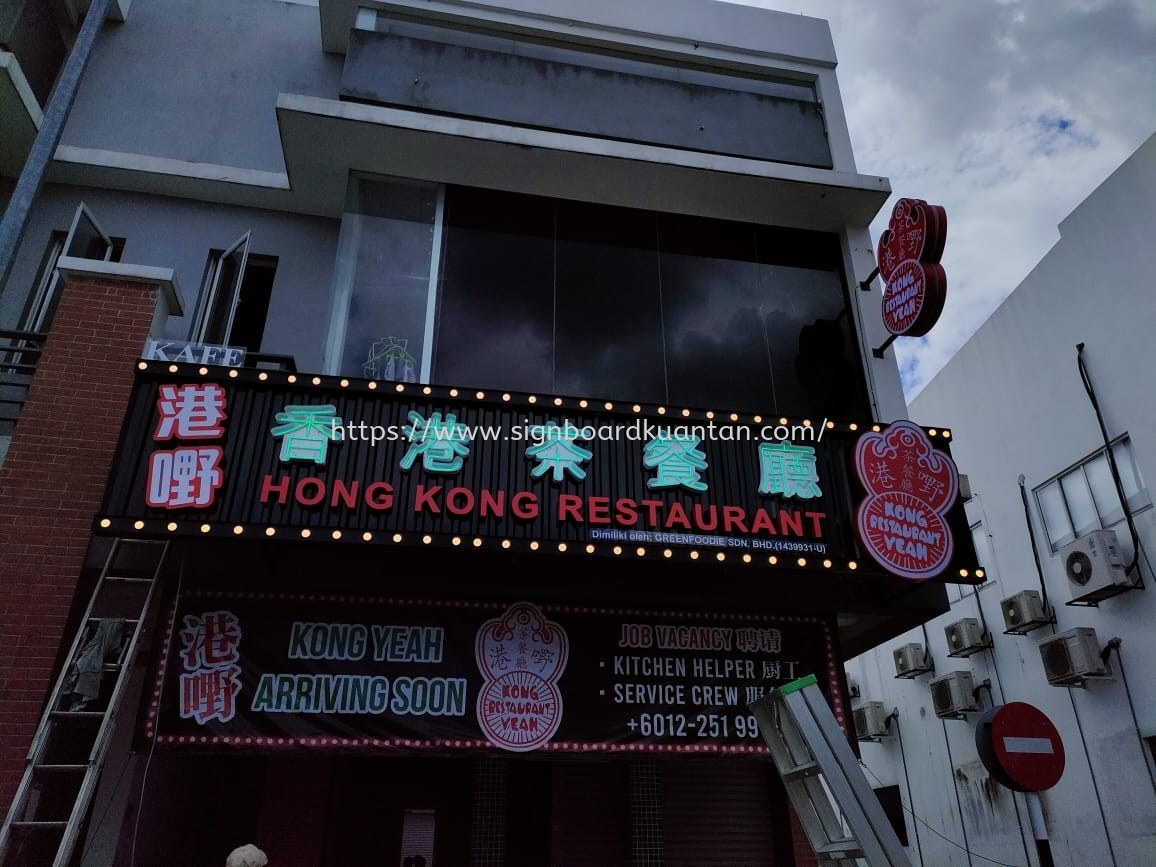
[305, 534]
[875, 428]
[172, 527]
[826, 564]
[173, 368]
[694, 555]
[532, 399]
[202, 371]
[262, 376]
[802, 561]
[557, 401]
[746, 558]
[830, 425]
[139, 525]
[583, 404]
[758, 419]
[931, 432]
[685, 412]
[589, 549]
[533, 546]
[852, 565]
[608, 406]
[853, 426]
[142, 366]
[205, 528]
[291, 378]
[480, 395]
[233, 374]
[456, 540]
[336, 535]
[947, 434]
[641, 552]
[397, 537]
[506, 396]
[345, 383]
[106, 523]
[721, 556]
[734, 416]
[772, 560]
[477, 543]
[316, 380]
[710, 413]
[636, 408]
[453, 392]
[269, 531]
[662, 410]
[962, 573]
[425, 540]
[979, 573]
[667, 553]
[562, 546]
[427, 390]
[367, 537]
[617, 549]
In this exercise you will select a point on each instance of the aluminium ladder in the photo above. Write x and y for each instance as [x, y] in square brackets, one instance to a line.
[68, 751]
[838, 809]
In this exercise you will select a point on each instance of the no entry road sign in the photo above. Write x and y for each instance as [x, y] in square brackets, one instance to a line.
[1020, 747]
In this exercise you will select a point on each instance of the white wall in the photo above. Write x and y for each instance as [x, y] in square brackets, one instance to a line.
[1014, 401]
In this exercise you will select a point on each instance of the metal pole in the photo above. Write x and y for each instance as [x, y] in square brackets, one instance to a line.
[47, 138]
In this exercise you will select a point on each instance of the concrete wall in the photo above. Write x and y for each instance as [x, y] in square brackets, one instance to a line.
[1015, 403]
[199, 81]
[178, 234]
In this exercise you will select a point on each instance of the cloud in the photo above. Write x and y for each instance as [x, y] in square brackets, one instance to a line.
[1006, 113]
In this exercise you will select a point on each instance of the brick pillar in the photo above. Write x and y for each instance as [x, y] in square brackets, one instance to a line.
[53, 478]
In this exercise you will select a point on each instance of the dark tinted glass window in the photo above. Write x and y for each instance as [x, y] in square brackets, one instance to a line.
[608, 320]
[496, 322]
[542, 295]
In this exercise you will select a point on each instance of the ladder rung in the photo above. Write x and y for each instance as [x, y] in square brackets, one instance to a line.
[40, 826]
[845, 848]
[77, 714]
[129, 579]
[805, 770]
[127, 621]
[61, 769]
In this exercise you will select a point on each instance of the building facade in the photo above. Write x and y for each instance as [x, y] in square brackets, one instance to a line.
[351, 310]
[1020, 411]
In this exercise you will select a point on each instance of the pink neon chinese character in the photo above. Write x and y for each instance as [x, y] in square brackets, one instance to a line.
[210, 694]
[210, 640]
[185, 477]
[192, 412]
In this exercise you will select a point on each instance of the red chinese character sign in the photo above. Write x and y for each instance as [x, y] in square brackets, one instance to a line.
[521, 656]
[908, 256]
[910, 487]
[187, 477]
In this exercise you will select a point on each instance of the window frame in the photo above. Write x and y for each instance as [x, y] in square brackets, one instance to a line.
[211, 288]
[1120, 443]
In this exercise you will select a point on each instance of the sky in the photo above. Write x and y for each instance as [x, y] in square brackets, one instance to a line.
[1006, 112]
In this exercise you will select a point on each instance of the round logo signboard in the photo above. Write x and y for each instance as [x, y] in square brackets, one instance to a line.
[1020, 747]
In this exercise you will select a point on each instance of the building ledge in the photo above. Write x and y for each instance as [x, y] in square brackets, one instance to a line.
[325, 139]
[20, 116]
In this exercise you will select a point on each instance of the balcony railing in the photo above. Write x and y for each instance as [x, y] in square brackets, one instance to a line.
[19, 353]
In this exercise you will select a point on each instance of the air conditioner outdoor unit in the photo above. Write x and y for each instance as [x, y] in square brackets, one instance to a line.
[1095, 567]
[1073, 656]
[912, 660]
[953, 695]
[870, 721]
[965, 637]
[1024, 612]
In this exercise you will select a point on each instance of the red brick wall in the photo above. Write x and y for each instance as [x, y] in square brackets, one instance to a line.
[51, 485]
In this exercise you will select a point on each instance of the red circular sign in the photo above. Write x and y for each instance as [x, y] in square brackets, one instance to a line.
[914, 298]
[1023, 746]
[904, 534]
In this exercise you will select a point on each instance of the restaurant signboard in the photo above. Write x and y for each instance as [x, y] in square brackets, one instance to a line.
[273, 455]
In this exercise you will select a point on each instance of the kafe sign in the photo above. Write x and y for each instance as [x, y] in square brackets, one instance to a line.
[908, 256]
[194, 353]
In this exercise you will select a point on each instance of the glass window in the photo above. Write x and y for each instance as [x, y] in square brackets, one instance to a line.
[383, 299]
[608, 314]
[541, 295]
[1078, 497]
[496, 316]
[1084, 498]
[1055, 513]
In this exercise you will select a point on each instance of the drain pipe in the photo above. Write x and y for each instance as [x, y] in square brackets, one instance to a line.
[48, 137]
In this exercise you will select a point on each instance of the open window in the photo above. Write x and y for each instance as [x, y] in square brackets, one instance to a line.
[85, 239]
[234, 298]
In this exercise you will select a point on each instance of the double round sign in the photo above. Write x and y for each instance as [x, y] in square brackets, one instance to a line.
[1020, 747]
[908, 257]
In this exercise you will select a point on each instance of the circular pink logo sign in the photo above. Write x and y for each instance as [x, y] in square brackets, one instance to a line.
[904, 534]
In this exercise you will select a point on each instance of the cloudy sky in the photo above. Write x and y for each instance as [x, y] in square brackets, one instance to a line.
[1006, 112]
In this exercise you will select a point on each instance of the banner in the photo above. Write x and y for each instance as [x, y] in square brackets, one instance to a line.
[275, 671]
